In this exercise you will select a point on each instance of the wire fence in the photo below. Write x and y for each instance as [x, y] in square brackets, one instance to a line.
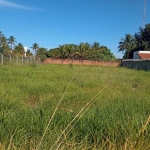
[17, 60]
[21, 60]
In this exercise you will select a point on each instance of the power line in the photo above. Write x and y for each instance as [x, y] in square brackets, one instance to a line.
[144, 13]
[137, 15]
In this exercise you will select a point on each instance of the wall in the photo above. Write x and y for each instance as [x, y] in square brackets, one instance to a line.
[136, 64]
[84, 62]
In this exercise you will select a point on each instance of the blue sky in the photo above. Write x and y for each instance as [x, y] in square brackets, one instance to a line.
[51, 23]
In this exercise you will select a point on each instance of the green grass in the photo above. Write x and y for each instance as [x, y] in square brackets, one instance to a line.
[30, 94]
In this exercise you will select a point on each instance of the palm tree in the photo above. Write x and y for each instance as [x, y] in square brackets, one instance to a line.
[126, 44]
[95, 46]
[12, 42]
[62, 52]
[1, 37]
[41, 53]
[83, 48]
[3, 41]
[142, 38]
[35, 47]
[19, 50]
[70, 48]
[28, 53]
[4, 48]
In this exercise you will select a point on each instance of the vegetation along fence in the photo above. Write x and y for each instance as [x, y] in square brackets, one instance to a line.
[18, 60]
[136, 64]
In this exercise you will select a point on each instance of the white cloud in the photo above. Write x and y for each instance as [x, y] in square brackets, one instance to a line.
[4, 3]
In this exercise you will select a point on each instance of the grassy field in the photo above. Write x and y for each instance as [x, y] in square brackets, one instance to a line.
[69, 107]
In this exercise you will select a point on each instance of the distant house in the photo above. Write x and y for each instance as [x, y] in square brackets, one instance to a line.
[141, 55]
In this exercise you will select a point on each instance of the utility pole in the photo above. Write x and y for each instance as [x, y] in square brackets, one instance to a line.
[144, 14]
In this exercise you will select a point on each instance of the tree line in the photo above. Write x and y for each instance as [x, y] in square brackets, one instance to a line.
[9, 46]
[138, 41]
[82, 51]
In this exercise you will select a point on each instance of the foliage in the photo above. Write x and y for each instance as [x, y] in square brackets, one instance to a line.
[126, 44]
[4, 48]
[19, 50]
[11, 41]
[7, 46]
[28, 53]
[41, 53]
[35, 47]
[1, 38]
[83, 51]
[53, 53]
[142, 38]
[140, 41]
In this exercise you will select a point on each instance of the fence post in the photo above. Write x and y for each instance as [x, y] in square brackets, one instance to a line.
[1, 57]
[22, 60]
[16, 60]
[9, 57]
[31, 60]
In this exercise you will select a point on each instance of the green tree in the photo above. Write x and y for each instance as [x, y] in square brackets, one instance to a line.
[19, 50]
[4, 48]
[35, 47]
[63, 54]
[70, 48]
[142, 38]
[11, 41]
[4, 41]
[126, 44]
[28, 53]
[95, 46]
[41, 53]
[1, 38]
[53, 53]
[83, 50]
[140, 41]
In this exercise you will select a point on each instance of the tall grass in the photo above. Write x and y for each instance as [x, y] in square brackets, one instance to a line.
[40, 107]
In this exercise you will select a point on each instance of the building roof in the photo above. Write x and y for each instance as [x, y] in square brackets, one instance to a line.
[144, 55]
[147, 52]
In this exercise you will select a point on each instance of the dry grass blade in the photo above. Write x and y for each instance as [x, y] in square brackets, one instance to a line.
[2, 147]
[69, 130]
[125, 145]
[11, 140]
[142, 131]
[54, 112]
[72, 126]
[77, 115]
[68, 110]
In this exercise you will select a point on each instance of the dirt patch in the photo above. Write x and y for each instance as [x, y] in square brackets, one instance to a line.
[32, 101]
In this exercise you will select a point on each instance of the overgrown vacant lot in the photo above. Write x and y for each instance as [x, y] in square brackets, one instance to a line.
[74, 107]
